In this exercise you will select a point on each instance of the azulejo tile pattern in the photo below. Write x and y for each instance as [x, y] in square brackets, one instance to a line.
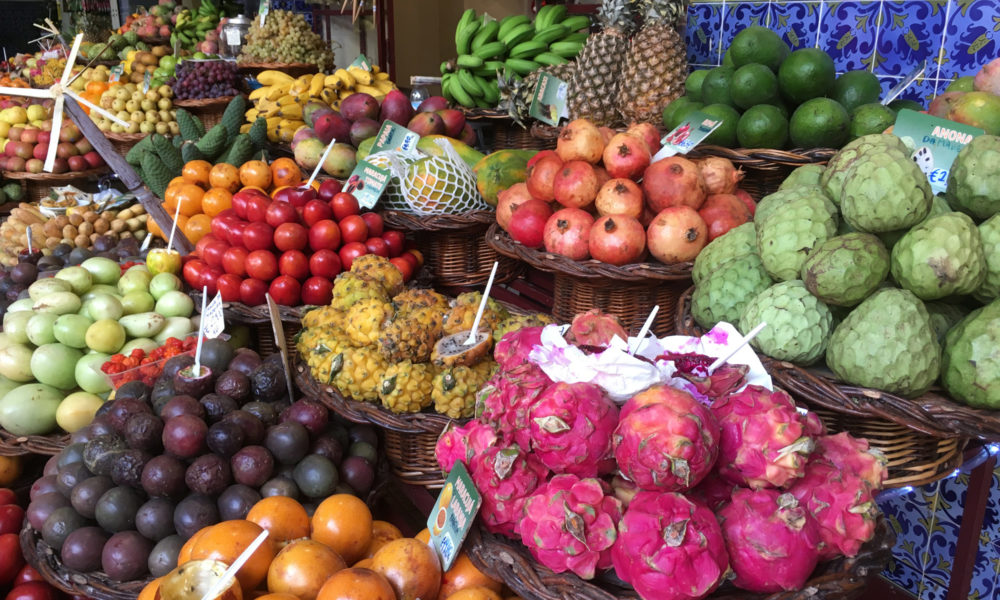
[888, 37]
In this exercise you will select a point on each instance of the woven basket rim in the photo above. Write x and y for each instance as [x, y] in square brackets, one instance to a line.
[275, 65]
[127, 137]
[244, 314]
[648, 272]
[477, 114]
[933, 414]
[204, 102]
[16, 445]
[70, 176]
[479, 219]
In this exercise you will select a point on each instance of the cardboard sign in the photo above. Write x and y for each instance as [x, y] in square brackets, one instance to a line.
[934, 143]
[361, 61]
[904, 83]
[279, 339]
[692, 131]
[393, 136]
[262, 9]
[213, 321]
[548, 103]
[116, 73]
[453, 514]
[367, 182]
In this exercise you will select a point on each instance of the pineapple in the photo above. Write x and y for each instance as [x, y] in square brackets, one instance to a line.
[656, 64]
[357, 373]
[349, 288]
[316, 343]
[411, 336]
[454, 390]
[593, 91]
[325, 315]
[414, 298]
[517, 93]
[405, 387]
[380, 270]
[365, 318]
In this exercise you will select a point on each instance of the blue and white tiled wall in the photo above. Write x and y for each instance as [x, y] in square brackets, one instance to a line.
[888, 37]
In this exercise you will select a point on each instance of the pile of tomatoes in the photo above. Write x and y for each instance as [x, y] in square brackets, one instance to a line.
[17, 578]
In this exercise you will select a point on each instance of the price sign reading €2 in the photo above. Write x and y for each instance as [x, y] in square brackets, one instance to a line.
[692, 131]
[453, 515]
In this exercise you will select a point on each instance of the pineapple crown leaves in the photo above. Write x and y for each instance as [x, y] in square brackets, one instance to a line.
[617, 15]
[662, 11]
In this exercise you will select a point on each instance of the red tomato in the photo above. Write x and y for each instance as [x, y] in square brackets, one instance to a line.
[285, 290]
[235, 234]
[290, 236]
[229, 286]
[239, 202]
[193, 271]
[294, 264]
[258, 236]
[303, 195]
[234, 261]
[350, 251]
[377, 245]
[11, 559]
[262, 264]
[7, 495]
[344, 204]
[257, 208]
[33, 590]
[280, 212]
[26, 574]
[11, 518]
[328, 189]
[374, 222]
[227, 214]
[252, 292]
[353, 229]
[199, 248]
[210, 280]
[410, 258]
[324, 263]
[315, 211]
[220, 227]
[317, 291]
[396, 240]
[213, 252]
[404, 266]
[324, 234]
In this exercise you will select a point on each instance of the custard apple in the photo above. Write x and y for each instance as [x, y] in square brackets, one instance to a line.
[884, 192]
[939, 206]
[970, 366]
[832, 179]
[940, 257]
[989, 233]
[886, 343]
[845, 269]
[974, 181]
[772, 203]
[723, 295]
[737, 242]
[798, 324]
[804, 176]
[786, 239]
[944, 316]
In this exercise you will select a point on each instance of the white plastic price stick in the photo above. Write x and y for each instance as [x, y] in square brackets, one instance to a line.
[27, 232]
[322, 159]
[173, 227]
[482, 307]
[230, 573]
[201, 334]
[746, 340]
[644, 331]
[145, 242]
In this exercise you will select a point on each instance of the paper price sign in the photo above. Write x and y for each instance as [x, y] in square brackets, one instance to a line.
[393, 136]
[934, 143]
[453, 515]
[367, 182]
[692, 131]
[361, 61]
[549, 102]
[213, 319]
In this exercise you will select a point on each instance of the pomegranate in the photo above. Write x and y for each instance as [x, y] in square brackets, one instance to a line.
[620, 197]
[575, 185]
[617, 240]
[540, 155]
[647, 216]
[746, 199]
[567, 232]
[607, 133]
[677, 234]
[602, 175]
[720, 176]
[541, 176]
[722, 212]
[673, 181]
[580, 140]
[527, 224]
[508, 200]
[648, 133]
[626, 156]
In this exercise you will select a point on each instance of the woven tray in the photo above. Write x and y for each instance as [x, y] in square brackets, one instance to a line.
[293, 69]
[509, 561]
[258, 319]
[19, 445]
[37, 185]
[123, 142]
[208, 110]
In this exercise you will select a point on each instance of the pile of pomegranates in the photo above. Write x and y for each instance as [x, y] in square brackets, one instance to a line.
[598, 195]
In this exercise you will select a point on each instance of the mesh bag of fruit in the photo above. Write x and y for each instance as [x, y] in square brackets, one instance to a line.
[432, 185]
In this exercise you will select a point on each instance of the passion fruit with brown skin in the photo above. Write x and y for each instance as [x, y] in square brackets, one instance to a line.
[454, 350]
[194, 384]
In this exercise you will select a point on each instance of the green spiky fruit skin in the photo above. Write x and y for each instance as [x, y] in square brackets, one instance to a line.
[727, 291]
[940, 257]
[804, 176]
[846, 269]
[989, 234]
[884, 192]
[772, 203]
[944, 316]
[886, 343]
[974, 180]
[832, 180]
[733, 244]
[785, 241]
[798, 324]
[939, 206]
[970, 367]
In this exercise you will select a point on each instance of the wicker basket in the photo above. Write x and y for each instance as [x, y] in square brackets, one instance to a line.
[38, 185]
[454, 249]
[510, 562]
[506, 132]
[123, 142]
[19, 445]
[258, 319]
[293, 69]
[208, 110]
[629, 291]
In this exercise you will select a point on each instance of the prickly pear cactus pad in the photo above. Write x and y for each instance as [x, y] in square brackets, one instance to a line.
[940, 257]
[845, 269]
[886, 343]
[735, 243]
[885, 192]
[974, 181]
[970, 368]
[798, 325]
[726, 292]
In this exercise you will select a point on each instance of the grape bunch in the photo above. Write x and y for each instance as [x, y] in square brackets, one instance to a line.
[286, 38]
[194, 80]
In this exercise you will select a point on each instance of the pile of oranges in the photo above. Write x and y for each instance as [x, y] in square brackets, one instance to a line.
[340, 553]
[203, 190]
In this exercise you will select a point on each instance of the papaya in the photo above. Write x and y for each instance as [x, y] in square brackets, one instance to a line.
[365, 148]
[467, 153]
[500, 170]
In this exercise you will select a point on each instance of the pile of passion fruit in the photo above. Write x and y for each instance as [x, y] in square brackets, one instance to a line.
[158, 463]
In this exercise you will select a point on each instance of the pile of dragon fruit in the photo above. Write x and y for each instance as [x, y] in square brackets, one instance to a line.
[677, 496]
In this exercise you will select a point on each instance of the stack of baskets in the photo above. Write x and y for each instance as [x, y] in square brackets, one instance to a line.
[38, 185]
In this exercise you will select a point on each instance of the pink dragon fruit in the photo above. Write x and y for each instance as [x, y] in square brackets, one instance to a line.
[665, 440]
[507, 400]
[713, 491]
[462, 442]
[694, 368]
[594, 329]
[842, 505]
[764, 442]
[570, 524]
[854, 455]
[505, 477]
[513, 349]
[571, 426]
[669, 548]
[773, 543]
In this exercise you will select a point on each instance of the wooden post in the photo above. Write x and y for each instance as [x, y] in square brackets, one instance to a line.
[154, 208]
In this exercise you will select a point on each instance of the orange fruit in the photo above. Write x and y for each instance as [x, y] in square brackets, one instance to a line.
[424, 536]
[276, 596]
[412, 568]
[284, 171]
[382, 534]
[197, 227]
[165, 235]
[302, 567]
[10, 469]
[188, 196]
[283, 518]
[473, 593]
[149, 590]
[177, 181]
[170, 197]
[255, 173]
[464, 574]
[226, 176]
[343, 523]
[215, 201]
[364, 563]
[227, 540]
[196, 171]
[184, 554]
[356, 584]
